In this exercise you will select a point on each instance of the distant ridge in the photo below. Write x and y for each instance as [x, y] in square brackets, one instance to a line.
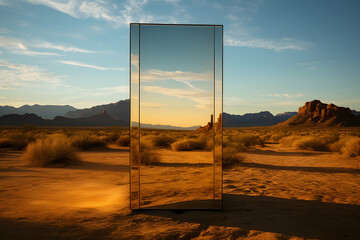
[118, 111]
[255, 119]
[316, 113]
[44, 111]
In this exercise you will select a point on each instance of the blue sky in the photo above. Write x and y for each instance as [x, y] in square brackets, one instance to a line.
[277, 54]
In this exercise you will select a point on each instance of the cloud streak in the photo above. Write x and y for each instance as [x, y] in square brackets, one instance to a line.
[276, 45]
[13, 75]
[48, 45]
[286, 95]
[80, 64]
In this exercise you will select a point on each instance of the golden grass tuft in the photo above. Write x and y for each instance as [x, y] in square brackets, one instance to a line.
[86, 141]
[147, 154]
[351, 147]
[17, 140]
[231, 156]
[54, 149]
[123, 141]
[203, 142]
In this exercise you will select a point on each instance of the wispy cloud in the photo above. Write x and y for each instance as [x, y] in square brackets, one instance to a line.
[33, 53]
[276, 45]
[63, 48]
[286, 95]
[4, 3]
[13, 75]
[110, 90]
[11, 43]
[202, 98]
[119, 14]
[80, 64]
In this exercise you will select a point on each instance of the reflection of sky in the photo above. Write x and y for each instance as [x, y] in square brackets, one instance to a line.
[176, 64]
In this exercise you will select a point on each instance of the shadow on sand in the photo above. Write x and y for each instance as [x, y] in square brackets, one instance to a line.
[303, 169]
[306, 219]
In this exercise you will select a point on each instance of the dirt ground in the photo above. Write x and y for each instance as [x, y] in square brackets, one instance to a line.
[276, 193]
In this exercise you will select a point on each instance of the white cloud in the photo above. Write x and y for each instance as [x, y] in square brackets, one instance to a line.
[276, 45]
[14, 75]
[80, 64]
[110, 90]
[11, 43]
[33, 53]
[48, 45]
[202, 98]
[117, 14]
[286, 95]
[4, 3]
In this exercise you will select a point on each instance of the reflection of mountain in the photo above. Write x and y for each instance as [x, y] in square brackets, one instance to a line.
[44, 111]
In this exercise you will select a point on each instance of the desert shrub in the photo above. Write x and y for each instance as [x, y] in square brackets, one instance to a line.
[147, 154]
[351, 147]
[53, 149]
[311, 143]
[246, 139]
[17, 140]
[231, 156]
[87, 141]
[203, 142]
[289, 140]
[277, 136]
[112, 137]
[123, 141]
[338, 145]
[162, 140]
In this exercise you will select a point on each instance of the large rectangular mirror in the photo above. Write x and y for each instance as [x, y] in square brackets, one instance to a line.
[176, 116]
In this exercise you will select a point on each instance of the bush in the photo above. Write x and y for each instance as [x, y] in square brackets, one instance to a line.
[277, 136]
[17, 141]
[231, 156]
[86, 141]
[311, 143]
[189, 144]
[162, 141]
[352, 147]
[51, 150]
[147, 154]
[123, 141]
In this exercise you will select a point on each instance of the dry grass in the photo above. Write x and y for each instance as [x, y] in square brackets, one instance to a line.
[17, 140]
[54, 149]
[162, 140]
[123, 141]
[311, 143]
[231, 156]
[147, 154]
[352, 147]
[86, 141]
[203, 142]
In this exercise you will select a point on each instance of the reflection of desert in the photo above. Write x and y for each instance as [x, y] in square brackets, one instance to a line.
[285, 189]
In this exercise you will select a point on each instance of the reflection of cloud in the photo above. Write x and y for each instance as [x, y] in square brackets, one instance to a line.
[153, 105]
[80, 64]
[110, 90]
[13, 75]
[201, 97]
[152, 75]
[286, 95]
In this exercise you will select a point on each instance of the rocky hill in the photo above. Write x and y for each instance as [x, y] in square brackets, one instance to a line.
[255, 119]
[316, 113]
[118, 111]
[44, 111]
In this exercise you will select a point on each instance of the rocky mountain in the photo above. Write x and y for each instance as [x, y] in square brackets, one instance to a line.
[99, 120]
[316, 113]
[118, 111]
[44, 111]
[356, 113]
[255, 119]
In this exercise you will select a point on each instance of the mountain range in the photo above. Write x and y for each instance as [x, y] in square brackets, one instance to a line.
[117, 114]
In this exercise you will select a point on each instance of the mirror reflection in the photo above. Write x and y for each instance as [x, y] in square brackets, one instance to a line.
[176, 82]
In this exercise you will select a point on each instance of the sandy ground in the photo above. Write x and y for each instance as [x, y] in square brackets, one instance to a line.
[276, 193]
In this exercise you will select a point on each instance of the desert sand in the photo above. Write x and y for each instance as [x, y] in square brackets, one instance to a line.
[275, 193]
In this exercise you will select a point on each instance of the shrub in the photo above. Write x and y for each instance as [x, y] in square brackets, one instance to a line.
[246, 139]
[277, 136]
[53, 149]
[123, 141]
[86, 141]
[352, 147]
[147, 154]
[311, 143]
[231, 156]
[162, 140]
[112, 137]
[17, 140]
[189, 144]
[289, 140]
